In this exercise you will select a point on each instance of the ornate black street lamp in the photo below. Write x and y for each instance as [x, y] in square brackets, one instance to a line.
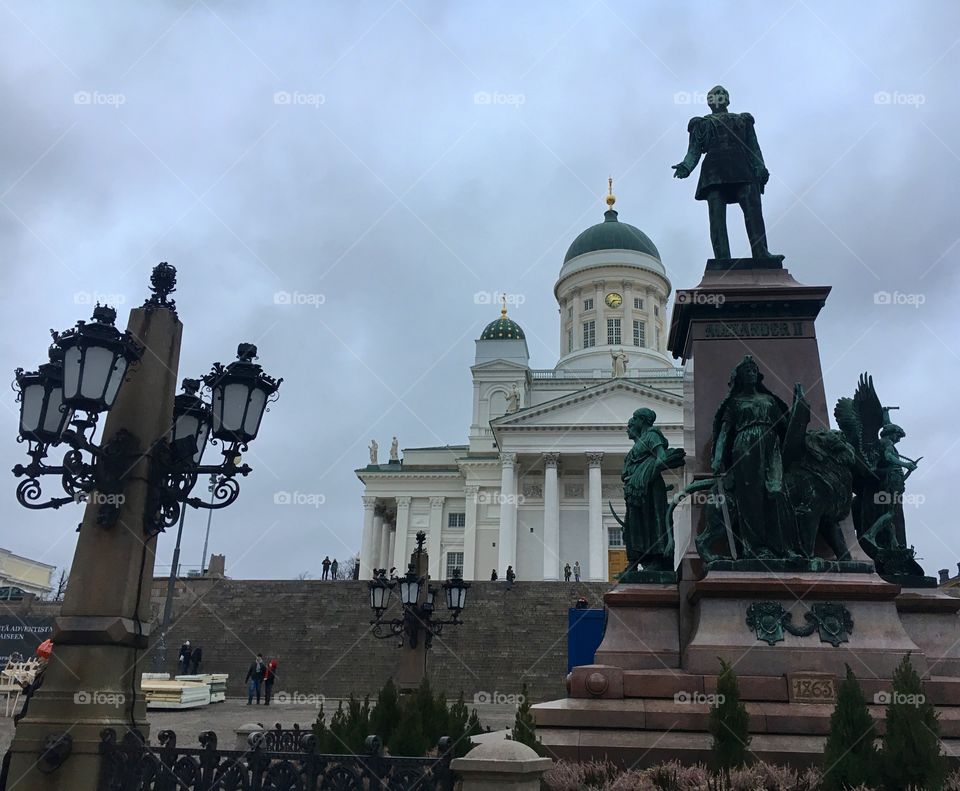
[417, 600]
[62, 401]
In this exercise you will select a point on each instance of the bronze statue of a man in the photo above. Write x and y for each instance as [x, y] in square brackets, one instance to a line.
[733, 171]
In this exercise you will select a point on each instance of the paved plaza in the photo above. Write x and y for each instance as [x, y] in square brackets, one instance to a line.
[224, 718]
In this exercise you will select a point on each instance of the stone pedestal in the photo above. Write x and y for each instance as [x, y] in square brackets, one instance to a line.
[931, 618]
[643, 627]
[873, 643]
[738, 308]
[495, 766]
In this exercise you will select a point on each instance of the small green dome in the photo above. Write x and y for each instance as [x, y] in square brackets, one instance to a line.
[611, 234]
[503, 329]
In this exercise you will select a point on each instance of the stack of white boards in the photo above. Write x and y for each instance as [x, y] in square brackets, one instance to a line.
[177, 694]
[216, 681]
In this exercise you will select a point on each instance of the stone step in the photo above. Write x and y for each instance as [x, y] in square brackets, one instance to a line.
[669, 715]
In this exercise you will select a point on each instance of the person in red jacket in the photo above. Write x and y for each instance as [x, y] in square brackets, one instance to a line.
[269, 677]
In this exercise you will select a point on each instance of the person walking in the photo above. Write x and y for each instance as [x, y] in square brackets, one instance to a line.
[183, 659]
[269, 677]
[493, 576]
[576, 571]
[255, 678]
[195, 659]
[326, 567]
[511, 576]
[566, 572]
[334, 567]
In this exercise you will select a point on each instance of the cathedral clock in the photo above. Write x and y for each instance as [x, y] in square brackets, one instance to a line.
[613, 300]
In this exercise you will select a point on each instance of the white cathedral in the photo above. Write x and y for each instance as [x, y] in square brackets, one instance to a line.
[546, 447]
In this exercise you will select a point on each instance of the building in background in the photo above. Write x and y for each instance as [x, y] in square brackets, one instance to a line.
[31, 576]
[530, 488]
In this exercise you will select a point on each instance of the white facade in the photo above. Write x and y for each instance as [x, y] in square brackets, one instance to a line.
[31, 576]
[545, 449]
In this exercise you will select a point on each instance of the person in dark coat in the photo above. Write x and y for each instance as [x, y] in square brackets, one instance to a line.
[195, 659]
[511, 575]
[269, 677]
[333, 569]
[183, 660]
[255, 678]
[493, 576]
[567, 571]
[326, 568]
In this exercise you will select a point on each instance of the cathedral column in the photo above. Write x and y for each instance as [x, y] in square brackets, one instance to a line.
[596, 567]
[470, 533]
[401, 558]
[508, 514]
[433, 536]
[385, 558]
[551, 517]
[376, 558]
[367, 537]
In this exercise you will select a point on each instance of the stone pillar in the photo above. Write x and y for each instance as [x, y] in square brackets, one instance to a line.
[401, 558]
[101, 635]
[500, 765]
[470, 533]
[375, 556]
[433, 536]
[596, 567]
[386, 549]
[366, 539]
[551, 518]
[507, 540]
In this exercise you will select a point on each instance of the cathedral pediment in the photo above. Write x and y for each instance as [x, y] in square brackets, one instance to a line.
[604, 406]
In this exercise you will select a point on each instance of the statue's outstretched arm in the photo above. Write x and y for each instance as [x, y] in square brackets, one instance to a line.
[694, 151]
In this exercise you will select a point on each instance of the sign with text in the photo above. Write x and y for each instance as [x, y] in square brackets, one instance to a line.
[784, 328]
[22, 636]
[812, 687]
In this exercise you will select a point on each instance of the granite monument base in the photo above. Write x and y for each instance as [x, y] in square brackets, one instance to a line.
[789, 638]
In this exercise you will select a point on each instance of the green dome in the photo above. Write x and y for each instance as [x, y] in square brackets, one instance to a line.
[503, 329]
[611, 234]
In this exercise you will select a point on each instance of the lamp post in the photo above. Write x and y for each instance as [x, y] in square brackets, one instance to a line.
[136, 481]
[417, 624]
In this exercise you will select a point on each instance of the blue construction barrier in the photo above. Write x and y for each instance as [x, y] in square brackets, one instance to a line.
[584, 633]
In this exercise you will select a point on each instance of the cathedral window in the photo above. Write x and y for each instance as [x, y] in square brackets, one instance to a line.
[569, 341]
[588, 304]
[615, 536]
[589, 334]
[656, 310]
[613, 332]
[639, 334]
[454, 561]
[637, 303]
[456, 520]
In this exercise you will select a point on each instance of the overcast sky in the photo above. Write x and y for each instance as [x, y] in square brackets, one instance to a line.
[383, 162]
